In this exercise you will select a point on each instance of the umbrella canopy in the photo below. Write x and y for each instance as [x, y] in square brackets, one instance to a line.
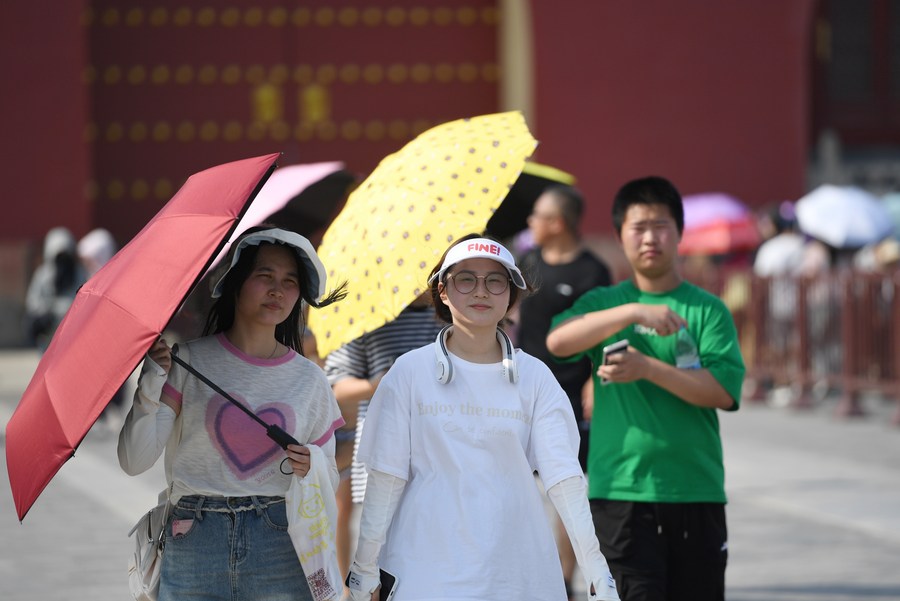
[511, 216]
[716, 224]
[394, 227]
[115, 318]
[891, 202]
[302, 198]
[843, 216]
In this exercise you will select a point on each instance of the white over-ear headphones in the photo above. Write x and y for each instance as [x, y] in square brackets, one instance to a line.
[445, 368]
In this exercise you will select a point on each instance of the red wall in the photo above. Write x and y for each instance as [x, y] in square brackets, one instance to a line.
[382, 70]
[43, 109]
[45, 160]
[108, 107]
[712, 95]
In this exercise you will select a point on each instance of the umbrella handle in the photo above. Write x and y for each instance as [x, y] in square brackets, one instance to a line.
[273, 431]
[283, 439]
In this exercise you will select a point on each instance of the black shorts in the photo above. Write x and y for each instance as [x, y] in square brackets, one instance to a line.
[664, 551]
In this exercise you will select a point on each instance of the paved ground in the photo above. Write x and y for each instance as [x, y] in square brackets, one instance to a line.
[814, 509]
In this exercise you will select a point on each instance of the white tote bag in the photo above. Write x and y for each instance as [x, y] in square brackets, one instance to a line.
[312, 522]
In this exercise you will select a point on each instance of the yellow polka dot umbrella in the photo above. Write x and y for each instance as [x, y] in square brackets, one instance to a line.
[394, 227]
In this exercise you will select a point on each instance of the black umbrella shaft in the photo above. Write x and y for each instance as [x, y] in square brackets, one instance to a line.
[273, 431]
[216, 387]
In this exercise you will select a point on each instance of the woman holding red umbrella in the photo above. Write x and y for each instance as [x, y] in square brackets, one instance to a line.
[227, 536]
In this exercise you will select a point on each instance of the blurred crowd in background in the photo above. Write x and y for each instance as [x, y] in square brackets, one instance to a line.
[813, 288]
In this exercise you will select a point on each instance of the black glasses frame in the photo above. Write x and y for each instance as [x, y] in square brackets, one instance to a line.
[487, 286]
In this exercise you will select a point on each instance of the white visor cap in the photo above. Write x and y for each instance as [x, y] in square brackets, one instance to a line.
[315, 271]
[481, 248]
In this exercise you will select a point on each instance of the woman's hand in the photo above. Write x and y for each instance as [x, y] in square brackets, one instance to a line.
[361, 581]
[602, 587]
[161, 354]
[361, 596]
[299, 457]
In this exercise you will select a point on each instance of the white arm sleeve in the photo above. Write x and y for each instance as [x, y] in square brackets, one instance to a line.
[383, 492]
[569, 497]
[148, 424]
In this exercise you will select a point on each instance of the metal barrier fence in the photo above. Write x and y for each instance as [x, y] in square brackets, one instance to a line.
[837, 332]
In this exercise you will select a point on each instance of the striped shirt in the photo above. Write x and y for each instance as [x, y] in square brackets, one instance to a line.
[373, 353]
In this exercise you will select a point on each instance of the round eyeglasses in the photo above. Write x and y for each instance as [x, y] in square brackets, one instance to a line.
[466, 281]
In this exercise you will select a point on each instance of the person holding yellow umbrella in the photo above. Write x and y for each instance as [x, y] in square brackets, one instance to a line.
[453, 436]
[446, 182]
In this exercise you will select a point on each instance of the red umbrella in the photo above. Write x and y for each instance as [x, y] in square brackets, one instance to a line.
[115, 318]
[717, 224]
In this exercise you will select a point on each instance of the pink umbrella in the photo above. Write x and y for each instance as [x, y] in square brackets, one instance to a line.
[116, 316]
[703, 209]
[716, 224]
[303, 198]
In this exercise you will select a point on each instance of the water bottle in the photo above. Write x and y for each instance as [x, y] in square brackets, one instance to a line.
[686, 354]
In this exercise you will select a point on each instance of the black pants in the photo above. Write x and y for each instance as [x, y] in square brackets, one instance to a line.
[664, 551]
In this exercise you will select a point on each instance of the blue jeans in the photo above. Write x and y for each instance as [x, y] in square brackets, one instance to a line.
[230, 549]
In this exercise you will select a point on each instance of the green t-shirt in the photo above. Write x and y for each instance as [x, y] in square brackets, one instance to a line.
[647, 444]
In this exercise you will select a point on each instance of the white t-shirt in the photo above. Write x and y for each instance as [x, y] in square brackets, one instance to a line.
[471, 522]
[224, 452]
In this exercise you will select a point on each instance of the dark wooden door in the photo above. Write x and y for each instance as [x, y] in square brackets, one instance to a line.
[856, 74]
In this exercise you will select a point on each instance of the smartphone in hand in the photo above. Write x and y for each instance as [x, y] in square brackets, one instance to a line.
[615, 347]
[388, 585]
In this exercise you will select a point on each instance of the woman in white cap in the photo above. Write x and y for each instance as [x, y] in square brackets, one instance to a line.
[227, 534]
[96, 249]
[453, 437]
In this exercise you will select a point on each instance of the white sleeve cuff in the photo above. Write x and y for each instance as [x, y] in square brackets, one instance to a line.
[150, 385]
[569, 497]
[362, 583]
[148, 424]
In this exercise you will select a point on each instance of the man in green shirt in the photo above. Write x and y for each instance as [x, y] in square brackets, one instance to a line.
[655, 471]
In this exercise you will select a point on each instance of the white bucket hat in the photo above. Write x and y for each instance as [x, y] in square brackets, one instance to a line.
[315, 271]
[481, 248]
